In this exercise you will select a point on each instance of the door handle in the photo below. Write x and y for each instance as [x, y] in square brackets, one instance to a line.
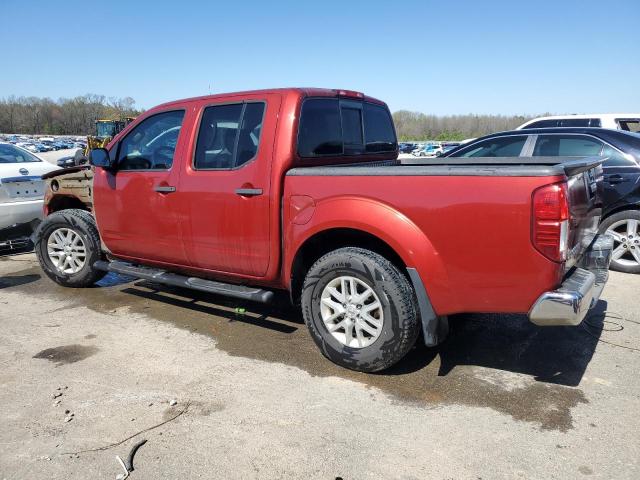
[164, 189]
[248, 192]
[615, 179]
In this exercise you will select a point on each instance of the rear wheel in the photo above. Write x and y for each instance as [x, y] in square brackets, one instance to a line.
[360, 309]
[624, 227]
[67, 246]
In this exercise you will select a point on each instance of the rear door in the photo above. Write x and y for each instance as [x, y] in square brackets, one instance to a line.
[224, 192]
[621, 179]
[135, 206]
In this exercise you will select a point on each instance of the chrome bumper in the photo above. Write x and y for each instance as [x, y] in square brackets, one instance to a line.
[569, 304]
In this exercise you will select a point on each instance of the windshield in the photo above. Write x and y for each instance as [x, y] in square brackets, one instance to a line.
[106, 129]
[11, 154]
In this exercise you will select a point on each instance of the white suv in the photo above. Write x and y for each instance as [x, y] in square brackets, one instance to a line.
[615, 121]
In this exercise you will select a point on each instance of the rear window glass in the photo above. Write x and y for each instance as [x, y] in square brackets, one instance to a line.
[567, 146]
[379, 133]
[11, 154]
[333, 127]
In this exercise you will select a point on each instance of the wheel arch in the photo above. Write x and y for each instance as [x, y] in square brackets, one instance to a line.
[366, 224]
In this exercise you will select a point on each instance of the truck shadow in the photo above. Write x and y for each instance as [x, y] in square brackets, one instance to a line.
[554, 355]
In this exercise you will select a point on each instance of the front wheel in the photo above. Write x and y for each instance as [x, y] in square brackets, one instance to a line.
[624, 227]
[360, 309]
[67, 246]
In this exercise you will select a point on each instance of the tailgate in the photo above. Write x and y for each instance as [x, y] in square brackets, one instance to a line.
[585, 190]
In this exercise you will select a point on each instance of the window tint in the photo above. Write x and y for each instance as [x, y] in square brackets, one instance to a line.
[11, 154]
[567, 145]
[352, 126]
[320, 132]
[379, 134]
[332, 127]
[575, 122]
[543, 124]
[495, 147]
[615, 158]
[221, 144]
[152, 143]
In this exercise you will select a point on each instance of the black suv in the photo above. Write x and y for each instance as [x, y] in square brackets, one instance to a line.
[621, 216]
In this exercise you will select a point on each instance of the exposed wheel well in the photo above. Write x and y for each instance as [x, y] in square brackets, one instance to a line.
[65, 202]
[329, 240]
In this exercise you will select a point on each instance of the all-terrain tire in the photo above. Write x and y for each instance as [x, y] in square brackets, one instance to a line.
[626, 265]
[400, 326]
[83, 224]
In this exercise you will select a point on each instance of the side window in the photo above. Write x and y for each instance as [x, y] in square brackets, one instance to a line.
[615, 158]
[543, 124]
[379, 135]
[630, 125]
[229, 135]
[575, 122]
[495, 147]
[567, 146]
[152, 143]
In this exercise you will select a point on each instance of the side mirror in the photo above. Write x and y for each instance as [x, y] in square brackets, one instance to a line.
[99, 157]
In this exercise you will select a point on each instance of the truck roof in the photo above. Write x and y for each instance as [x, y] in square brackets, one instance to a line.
[300, 91]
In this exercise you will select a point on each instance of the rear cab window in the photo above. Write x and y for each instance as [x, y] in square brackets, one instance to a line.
[339, 127]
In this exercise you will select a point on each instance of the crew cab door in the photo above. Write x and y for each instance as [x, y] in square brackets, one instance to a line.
[135, 204]
[225, 189]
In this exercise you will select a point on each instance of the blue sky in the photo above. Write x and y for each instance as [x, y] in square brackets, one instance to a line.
[439, 57]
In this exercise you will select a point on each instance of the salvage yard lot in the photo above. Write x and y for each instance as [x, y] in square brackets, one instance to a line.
[500, 399]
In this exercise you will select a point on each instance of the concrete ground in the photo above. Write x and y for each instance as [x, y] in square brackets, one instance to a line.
[500, 399]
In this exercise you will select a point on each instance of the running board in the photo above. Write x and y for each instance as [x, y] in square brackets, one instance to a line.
[194, 283]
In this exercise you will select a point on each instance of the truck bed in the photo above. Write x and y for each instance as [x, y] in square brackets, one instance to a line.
[473, 214]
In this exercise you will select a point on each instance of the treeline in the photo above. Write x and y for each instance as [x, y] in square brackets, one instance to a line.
[66, 116]
[418, 126]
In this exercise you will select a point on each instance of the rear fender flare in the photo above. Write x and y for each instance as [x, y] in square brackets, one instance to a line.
[386, 223]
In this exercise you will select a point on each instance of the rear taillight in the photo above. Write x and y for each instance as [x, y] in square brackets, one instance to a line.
[550, 214]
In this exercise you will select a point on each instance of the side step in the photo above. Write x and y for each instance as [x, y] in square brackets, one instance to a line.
[194, 283]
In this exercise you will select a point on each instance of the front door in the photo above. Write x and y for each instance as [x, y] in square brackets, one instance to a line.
[135, 206]
[224, 192]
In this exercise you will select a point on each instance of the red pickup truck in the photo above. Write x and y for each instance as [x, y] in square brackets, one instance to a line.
[297, 189]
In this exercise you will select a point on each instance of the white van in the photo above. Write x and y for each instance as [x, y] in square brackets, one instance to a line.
[615, 121]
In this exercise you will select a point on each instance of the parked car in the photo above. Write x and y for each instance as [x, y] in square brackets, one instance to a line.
[430, 150]
[629, 122]
[621, 196]
[298, 189]
[406, 147]
[21, 195]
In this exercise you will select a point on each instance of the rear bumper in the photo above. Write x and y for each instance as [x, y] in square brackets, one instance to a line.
[569, 304]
